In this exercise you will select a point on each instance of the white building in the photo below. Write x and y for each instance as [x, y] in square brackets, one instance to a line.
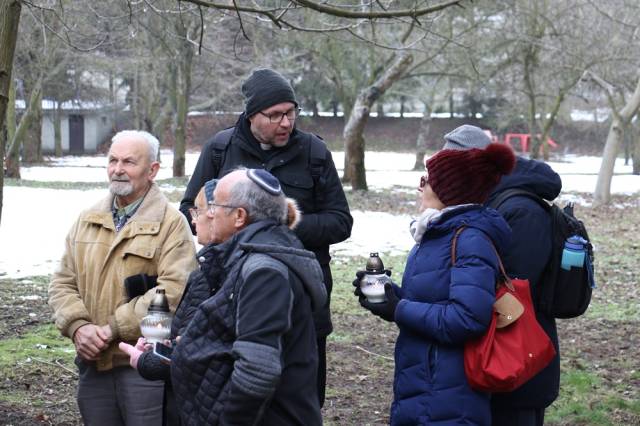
[83, 126]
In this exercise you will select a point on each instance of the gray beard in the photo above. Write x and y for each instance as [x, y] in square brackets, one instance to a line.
[120, 189]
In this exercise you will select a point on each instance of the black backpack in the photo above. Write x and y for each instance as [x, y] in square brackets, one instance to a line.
[561, 293]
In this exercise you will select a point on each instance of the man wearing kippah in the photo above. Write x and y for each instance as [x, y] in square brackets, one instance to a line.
[531, 233]
[265, 137]
[247, 356]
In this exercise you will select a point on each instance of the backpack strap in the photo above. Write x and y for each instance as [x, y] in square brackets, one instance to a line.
[219, 144]
[317, 164]
[317, 157]
[514, 192]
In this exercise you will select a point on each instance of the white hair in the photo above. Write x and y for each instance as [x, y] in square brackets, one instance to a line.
[152, 141]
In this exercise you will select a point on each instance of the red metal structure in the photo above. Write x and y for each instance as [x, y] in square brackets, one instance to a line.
[512, 139]
[518, 141]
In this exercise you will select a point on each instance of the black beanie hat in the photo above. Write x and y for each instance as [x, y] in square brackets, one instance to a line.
[265, 88]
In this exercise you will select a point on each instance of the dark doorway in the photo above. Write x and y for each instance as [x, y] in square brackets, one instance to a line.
[76, 134]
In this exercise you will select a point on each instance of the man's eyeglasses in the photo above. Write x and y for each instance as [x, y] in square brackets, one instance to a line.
[196, 212]
[212, 206]
[423, 182]
[276, 117]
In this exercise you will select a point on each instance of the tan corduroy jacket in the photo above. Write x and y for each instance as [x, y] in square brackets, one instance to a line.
[88, 287]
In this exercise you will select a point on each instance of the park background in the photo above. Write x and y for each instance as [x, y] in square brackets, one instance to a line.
[381, 82]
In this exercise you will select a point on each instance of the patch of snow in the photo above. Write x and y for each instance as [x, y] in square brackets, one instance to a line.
[35, 221]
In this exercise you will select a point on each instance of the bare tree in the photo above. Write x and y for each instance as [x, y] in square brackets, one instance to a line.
[9, 20]
[623, 111]
[354, 129]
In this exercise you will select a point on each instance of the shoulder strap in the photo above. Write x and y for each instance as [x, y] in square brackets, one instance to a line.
[219, 144]
[513, 192]
[454, 244]
[317, 156]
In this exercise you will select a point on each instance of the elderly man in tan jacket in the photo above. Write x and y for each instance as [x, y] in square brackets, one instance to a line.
[132, 231]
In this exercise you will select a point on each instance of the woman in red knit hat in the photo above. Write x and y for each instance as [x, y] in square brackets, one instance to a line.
[440, 306]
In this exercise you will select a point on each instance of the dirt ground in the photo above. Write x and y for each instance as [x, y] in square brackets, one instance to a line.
[603, 342]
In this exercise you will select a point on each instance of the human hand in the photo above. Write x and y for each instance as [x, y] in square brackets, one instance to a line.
[105, 333]
[89, 341]
[134, 352]
[385, 310]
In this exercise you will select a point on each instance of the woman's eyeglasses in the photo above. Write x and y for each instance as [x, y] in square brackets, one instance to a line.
[423, 182]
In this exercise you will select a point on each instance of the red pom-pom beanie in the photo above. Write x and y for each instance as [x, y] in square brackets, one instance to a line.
[465, 177]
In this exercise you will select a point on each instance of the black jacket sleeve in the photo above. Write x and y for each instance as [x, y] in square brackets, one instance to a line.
[332, 221]
[201, 174]
[151, 367]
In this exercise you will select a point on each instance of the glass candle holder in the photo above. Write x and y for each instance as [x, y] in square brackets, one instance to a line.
[156, 326]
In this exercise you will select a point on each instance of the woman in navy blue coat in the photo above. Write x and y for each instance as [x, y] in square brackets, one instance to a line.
[440, 306]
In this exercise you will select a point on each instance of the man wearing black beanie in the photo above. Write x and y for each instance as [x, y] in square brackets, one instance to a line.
[265, 137]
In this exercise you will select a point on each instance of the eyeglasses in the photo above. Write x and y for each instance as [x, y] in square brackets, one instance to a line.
[196, 212]
[276, 117]
[212, 206]
[423, 182]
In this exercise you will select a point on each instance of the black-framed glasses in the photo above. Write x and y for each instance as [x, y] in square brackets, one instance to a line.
[212, 206]
[276, 117]
[196, 212]
[423, 182]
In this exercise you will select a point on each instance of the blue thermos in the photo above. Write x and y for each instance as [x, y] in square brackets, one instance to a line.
[574, 252]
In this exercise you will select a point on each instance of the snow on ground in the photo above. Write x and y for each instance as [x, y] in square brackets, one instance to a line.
[35, 221]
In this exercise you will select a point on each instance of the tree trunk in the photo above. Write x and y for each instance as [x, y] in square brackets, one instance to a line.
[11, 114]
[13, 150]
[602, 193]
[9, 20]
[635, 157]
[421, 142]
[135, 98]
[57, 129]
[32, 143]
[354, 129]
[182, 108]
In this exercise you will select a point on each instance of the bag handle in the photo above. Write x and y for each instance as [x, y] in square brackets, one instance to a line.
[506, 281]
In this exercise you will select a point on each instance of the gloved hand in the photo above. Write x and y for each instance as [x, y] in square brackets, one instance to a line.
[385, 310]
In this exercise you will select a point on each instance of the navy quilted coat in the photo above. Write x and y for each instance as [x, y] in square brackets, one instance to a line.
[441, 308]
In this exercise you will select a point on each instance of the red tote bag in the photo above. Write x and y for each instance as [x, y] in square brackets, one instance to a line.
[515, 347]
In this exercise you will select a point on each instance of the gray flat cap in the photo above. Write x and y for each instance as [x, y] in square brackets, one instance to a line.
[466, 137]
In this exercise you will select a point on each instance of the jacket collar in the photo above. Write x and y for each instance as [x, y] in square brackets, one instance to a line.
[146, 220]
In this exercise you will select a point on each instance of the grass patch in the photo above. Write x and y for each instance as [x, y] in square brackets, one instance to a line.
[628, 310]
[43, 343]
[585, 400]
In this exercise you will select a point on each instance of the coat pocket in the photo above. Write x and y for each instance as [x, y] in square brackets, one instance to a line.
[139, 259]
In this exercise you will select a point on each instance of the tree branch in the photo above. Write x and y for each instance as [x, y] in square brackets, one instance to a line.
[334, 11]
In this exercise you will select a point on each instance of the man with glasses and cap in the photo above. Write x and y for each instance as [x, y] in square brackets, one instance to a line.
[248, 354]
[265, 137]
